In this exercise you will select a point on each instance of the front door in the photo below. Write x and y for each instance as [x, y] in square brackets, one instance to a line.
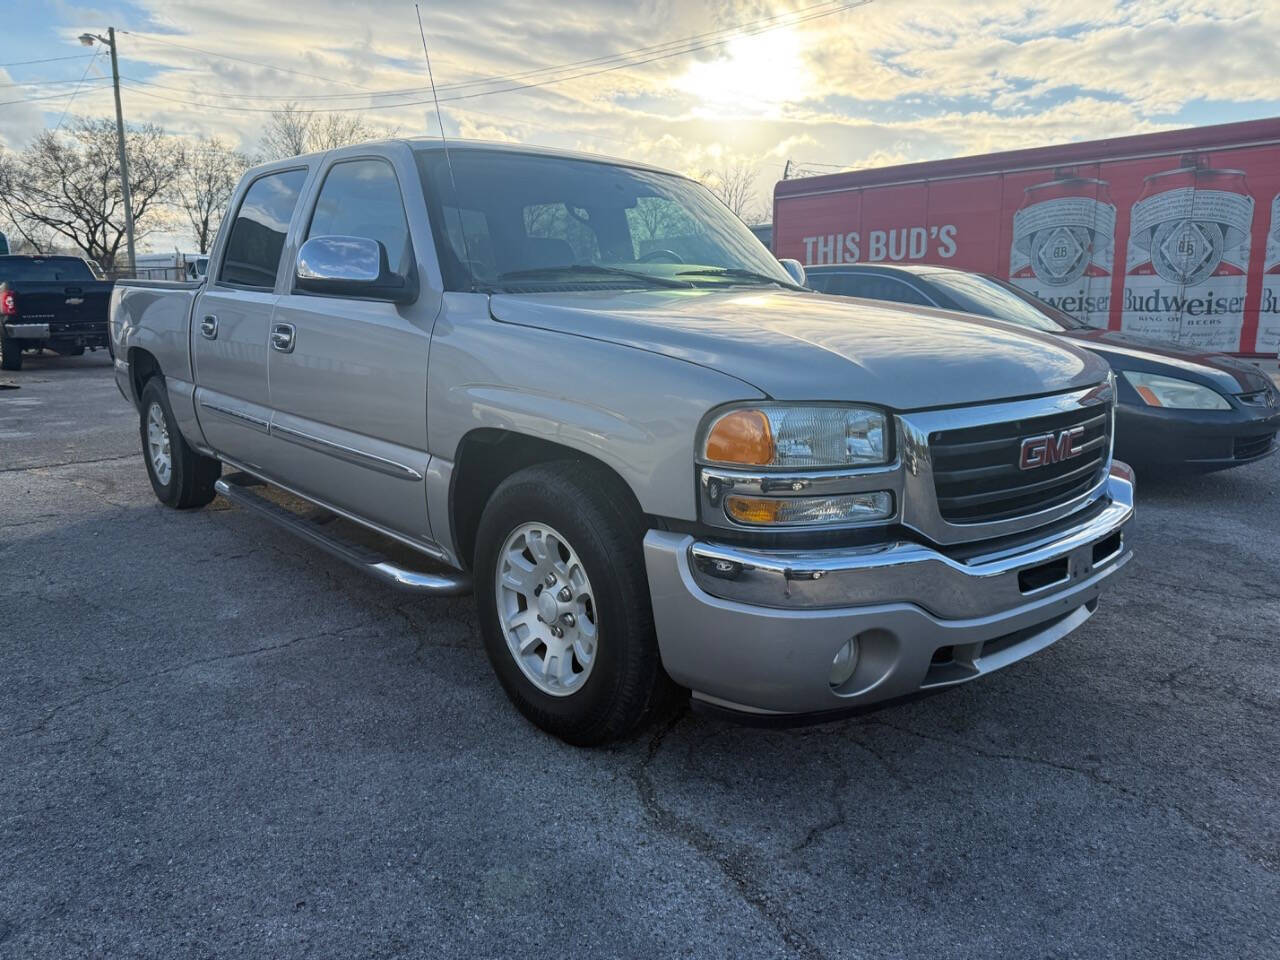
[348, 375]
[232, 317]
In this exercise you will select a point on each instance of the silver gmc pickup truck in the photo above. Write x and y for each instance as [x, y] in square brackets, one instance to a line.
[586, 391]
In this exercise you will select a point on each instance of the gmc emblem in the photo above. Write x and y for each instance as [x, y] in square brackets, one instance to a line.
[1050, 448]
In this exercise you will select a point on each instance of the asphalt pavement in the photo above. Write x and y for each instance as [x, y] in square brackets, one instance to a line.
[218, 741]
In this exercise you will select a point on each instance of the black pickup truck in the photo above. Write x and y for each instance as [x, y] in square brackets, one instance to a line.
[54, 302]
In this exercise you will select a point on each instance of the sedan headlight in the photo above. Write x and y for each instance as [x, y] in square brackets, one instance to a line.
[797, 436]
[1159, 391]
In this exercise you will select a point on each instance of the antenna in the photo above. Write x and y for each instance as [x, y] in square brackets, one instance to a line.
[448, 161]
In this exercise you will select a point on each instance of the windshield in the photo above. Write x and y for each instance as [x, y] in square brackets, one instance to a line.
[529, 223]
[19, 269]
[988, 297]
[1066, 320]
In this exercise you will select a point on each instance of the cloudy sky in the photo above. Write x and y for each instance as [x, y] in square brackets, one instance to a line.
[820, 83]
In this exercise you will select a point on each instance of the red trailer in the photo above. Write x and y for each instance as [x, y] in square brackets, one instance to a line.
[1169, 235]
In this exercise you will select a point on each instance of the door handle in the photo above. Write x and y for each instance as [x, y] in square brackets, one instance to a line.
[209, 327]
[282, 337]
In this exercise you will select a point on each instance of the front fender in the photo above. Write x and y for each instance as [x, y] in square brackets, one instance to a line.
[636, 411]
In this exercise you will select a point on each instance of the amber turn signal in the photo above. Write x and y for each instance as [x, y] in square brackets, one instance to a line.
[741, 437]
[753, 509]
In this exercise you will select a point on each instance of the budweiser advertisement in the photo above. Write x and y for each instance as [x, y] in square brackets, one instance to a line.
[1173, 236]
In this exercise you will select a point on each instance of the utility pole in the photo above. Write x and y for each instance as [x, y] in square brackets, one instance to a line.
[88, 40]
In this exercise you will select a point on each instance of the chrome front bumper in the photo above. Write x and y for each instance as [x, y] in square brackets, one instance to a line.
[756, 630]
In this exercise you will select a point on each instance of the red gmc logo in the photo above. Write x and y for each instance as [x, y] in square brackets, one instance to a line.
[1050, 448]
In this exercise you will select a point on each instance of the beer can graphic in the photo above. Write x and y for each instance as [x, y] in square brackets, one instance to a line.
[1269, 312]
[1062, 248]
[1188, 257]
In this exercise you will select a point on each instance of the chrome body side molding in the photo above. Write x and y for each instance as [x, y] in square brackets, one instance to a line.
[391, 468]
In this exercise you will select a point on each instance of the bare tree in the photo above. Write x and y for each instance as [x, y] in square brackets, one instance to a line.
[734, 182]
[23, 237]
[209, 177]
[331, 130]
[68, 185]
[291, 130]
[287, 134]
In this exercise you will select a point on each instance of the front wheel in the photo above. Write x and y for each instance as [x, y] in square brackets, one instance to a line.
[181, 477]
[564, 603]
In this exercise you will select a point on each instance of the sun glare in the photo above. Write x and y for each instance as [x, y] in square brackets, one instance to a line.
[752, 74]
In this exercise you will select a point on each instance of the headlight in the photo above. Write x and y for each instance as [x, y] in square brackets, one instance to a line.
[1158, 391]
[797, 436]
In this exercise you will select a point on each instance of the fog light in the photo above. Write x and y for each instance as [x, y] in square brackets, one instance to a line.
[851, 508]
[844, 663]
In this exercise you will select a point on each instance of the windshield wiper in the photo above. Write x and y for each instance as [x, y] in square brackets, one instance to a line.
[539, 273]
[738, 273]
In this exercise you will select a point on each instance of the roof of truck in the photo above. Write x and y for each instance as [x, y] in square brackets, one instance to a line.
[459, 144]
[435, 143]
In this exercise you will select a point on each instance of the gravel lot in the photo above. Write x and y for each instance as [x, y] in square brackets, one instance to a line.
[217, 741]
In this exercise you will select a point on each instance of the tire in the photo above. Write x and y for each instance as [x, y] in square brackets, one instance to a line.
[10, 354]
[188, 481]
[584, 511]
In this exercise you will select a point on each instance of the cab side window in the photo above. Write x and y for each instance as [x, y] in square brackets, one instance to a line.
[361, 198]
[257, 234]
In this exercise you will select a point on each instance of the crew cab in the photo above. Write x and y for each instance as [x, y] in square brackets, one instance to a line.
[53, 302]
[583, 389]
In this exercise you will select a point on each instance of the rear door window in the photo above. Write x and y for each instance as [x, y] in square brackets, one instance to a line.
[252, 255]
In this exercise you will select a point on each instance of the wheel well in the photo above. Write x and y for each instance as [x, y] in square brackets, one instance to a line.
[488, 456]
[142, 367]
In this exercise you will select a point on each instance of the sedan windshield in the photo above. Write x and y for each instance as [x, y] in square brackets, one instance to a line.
[512, 222]
[989, 297]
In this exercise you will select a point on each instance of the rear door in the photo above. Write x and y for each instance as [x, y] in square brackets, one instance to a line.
[232, 316]
[349, 391]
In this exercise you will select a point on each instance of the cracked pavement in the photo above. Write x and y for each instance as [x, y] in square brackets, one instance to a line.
[217, 741]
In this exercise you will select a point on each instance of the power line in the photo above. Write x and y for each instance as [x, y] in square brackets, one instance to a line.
[669, 48]
[667, 54]
[724, 33]
[76, 91]
[19, 63]
[43, 83]
[226, 56]
[51, 96]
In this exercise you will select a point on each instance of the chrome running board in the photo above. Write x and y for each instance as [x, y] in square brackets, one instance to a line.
[239, 489]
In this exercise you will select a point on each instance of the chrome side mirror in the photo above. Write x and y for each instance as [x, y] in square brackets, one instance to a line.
[351, 267]
[795, 270]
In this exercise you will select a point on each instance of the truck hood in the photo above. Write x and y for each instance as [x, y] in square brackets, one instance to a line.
[803, 346]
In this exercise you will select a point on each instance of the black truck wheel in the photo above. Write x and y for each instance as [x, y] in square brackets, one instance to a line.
[564, 603]
[180, 477]
[10, 354]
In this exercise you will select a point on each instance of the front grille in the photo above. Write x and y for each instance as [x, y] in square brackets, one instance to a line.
[977, 474]
[1249, 447]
